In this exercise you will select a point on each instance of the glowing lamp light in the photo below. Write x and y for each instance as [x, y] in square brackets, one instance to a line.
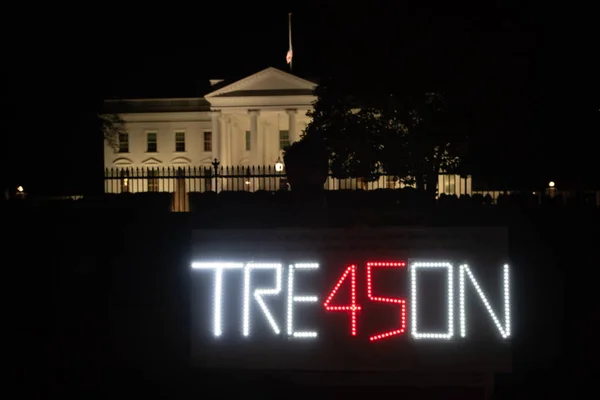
[279, 165]
[20, 189]
[247, 183]
[551, 184]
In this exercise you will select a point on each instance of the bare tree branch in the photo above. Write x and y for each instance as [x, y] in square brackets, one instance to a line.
[112, 126]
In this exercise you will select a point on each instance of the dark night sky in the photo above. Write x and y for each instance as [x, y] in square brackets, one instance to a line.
[531, 78]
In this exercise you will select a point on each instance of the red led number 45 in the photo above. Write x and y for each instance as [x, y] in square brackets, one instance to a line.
[353, 308]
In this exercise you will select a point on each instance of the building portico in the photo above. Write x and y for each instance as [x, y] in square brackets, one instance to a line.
[256, 116]
[254, 136]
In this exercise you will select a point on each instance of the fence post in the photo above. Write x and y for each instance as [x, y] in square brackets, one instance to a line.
[107, 181]
[215, 165]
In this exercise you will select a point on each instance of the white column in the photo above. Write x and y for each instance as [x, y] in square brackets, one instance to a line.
[216, 137]
[264, 138]
[223, 143]
[230, 127]
[254, 137]
[292, 125]
[224, 128]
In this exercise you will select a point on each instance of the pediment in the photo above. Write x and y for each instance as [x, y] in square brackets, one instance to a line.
[122, 161]
[268, 82]
[244, 161]
[151, 161]
[206, 161]
[181, 161]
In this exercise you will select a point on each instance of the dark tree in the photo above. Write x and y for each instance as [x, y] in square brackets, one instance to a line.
[349, 132]
[432, 140]
[112, 125]
[307, 165]
[377, 130]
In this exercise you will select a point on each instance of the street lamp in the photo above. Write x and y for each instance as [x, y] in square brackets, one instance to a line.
[278, 165]
[551, 189]
[20, 192]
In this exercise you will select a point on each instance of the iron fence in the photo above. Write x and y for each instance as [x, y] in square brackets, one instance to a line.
[248, 178]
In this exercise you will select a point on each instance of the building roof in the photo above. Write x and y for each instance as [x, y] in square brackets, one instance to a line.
[126, 106]
[269, 82]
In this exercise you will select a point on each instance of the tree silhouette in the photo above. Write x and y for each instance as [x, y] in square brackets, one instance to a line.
[349, 132]
[432, 140]
[371, 131]
[112, 125]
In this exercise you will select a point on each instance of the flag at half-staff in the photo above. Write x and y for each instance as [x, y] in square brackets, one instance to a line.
[290, 53]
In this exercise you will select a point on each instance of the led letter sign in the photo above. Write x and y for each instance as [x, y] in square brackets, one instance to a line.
[401, 302]
[219, 268]
[254, 298]
[504, 330]
[414, 300]
[259, 293]
[292, 298]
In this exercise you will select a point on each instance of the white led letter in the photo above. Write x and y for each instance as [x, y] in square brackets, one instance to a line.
[504, 331]
[218, 267]
[414, 304]
[298, 299]
[258, 295]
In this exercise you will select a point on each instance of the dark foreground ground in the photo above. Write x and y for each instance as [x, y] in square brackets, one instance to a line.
[96, 302]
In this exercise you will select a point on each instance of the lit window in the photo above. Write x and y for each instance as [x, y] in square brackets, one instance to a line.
[152, 143]
[179, 142]
[123, 143]
[207, 142]
[284, 139]
[391, 182]
[449, 184]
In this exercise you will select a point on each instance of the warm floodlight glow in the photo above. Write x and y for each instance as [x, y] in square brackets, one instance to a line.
[278, 165]
[551, 184]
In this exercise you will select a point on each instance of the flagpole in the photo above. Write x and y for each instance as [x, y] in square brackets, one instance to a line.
[290, 36]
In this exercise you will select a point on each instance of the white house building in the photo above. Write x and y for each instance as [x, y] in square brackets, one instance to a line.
[245, 123]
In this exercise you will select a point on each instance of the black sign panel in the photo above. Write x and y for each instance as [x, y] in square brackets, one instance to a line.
[400, 299]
